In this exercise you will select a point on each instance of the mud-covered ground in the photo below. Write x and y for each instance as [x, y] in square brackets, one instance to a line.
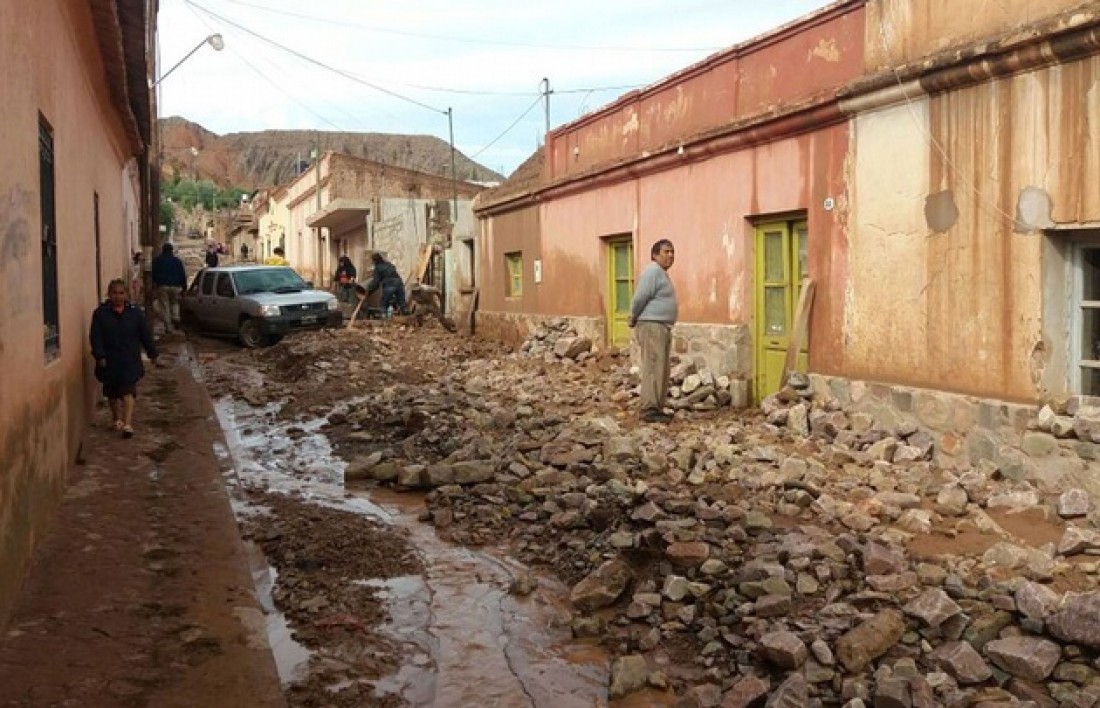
[800, 554]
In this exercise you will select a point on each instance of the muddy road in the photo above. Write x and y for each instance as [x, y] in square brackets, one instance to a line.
[437, 522]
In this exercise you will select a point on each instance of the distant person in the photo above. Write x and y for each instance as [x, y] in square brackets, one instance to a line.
[345, 280]
[244, 251]
[169, 278]
[653, 311]
[277, 258]
[393, 288]
[137, 278]
[212, 255]
[118, 333]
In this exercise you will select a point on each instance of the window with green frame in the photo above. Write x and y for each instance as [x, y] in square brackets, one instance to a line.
[514, 261]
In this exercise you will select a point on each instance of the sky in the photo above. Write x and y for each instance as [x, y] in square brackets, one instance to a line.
[397, 67]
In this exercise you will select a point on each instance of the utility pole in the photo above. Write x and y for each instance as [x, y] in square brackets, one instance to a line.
[545, 91]
[454, 174]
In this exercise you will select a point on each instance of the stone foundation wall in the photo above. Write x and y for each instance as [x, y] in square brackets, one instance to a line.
[513, 329]
[1053, 446]
[725, 350]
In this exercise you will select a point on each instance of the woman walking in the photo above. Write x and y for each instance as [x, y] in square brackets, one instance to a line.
[118, 334]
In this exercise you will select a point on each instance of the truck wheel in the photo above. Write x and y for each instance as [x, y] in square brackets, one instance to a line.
[250, 334]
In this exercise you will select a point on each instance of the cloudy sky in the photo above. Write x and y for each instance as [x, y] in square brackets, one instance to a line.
[396, 67]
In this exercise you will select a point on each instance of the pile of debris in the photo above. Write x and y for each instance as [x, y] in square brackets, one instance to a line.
[847, 434]
[557, 339]
[805, 554]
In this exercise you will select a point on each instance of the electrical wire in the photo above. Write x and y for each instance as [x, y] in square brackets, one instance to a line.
[264, 76]
[508, 129]
[467, 40]
[339, 72]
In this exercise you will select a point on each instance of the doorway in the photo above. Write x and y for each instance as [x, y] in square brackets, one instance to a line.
[781, 266]
[620, 284]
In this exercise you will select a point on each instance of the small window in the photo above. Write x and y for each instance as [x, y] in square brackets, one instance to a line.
[514, 261]
[225, 285]
[51, 317]
[208, 283]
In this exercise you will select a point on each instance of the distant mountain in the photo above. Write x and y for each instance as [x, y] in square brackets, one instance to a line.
[272, 157]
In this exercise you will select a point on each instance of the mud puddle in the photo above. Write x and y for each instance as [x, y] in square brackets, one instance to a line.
[466, 639]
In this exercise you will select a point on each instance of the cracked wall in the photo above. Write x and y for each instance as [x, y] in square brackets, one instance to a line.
[951, 197]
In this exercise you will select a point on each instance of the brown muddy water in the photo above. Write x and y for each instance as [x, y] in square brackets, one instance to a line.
[466, 640]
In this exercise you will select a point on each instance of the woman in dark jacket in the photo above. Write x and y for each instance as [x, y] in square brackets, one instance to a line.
[345, 280]
[118, 333]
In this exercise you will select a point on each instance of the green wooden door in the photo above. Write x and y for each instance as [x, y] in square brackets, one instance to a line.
[781, 265]
[620, 261]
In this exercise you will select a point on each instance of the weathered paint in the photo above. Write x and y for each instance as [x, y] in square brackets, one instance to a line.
[962, 309]
[904, 31]
[812, 56]
[45, 408]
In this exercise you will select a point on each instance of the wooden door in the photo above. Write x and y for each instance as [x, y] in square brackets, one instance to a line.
[620, 261]
[781, 265]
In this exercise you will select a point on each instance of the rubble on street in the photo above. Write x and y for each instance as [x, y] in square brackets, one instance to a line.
[796, 554]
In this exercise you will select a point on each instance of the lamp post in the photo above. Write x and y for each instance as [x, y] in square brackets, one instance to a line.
[214, 40]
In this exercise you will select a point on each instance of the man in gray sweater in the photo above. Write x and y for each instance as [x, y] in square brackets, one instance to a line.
[652, 314]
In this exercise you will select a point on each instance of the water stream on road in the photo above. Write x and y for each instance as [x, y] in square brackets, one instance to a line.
[468, 640]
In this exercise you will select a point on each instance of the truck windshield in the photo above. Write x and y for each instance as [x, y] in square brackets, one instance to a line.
[268, 280]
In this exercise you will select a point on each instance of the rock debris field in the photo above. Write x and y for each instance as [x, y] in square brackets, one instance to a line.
[728, 558]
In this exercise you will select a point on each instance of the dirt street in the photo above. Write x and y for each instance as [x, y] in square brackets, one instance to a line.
[431, 521]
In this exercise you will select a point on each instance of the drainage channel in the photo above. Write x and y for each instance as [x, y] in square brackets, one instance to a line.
[467, 639]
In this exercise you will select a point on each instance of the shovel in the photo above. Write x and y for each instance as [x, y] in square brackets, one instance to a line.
[361, 296]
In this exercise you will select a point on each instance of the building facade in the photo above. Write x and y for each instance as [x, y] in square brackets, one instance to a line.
[345, 205]
[932, 180]
[76, 122]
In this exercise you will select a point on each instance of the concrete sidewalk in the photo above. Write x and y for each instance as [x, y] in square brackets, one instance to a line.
[141, 593]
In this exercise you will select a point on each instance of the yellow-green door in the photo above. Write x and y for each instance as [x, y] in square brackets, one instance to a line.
[620, 261]
[781, 251]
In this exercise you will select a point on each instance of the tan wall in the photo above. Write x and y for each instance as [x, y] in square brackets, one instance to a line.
[903, 31]
[45, 408]
[957, 304]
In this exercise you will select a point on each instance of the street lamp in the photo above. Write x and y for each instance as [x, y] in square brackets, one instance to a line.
[214, 40]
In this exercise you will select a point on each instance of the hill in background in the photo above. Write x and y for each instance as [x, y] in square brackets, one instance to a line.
[272, 157]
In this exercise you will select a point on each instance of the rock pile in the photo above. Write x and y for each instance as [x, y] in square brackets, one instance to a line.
[804, 557]
[555, 340]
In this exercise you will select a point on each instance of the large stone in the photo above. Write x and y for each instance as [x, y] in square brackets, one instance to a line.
[783, 649]
[746, 692]
[933, 607]
[473, 472]
[628, 674]
[602, 587]
[687, 554]
[961, 661]
[883, 560]
[952, 500]
[1028, 658]
[1078, 620]
[621, 448]
[1073, 503]
[1078, 540]
[792, 693]
[861, 645]
[1036, 601]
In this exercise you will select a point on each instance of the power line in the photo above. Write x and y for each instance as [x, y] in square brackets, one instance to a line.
[509, 128]
[265, 77]
[467, 40]
[316, 62]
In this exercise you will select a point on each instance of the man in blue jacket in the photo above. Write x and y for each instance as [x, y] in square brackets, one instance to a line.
[169, 278]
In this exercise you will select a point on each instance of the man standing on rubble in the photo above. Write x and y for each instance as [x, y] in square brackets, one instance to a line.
[653, 311]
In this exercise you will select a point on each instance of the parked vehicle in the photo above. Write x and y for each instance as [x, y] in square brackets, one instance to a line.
[257, 303]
